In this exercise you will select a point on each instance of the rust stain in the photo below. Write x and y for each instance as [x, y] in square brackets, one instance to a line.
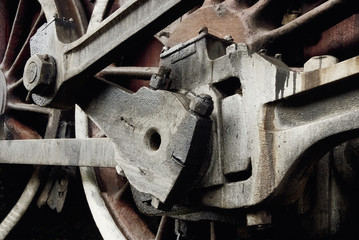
[122, 210]
[342, 40]
[266, 168]
[311, 79]
[219, 20]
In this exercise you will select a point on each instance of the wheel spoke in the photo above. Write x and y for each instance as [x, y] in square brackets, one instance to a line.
[98, 13]
[2, 129]
[212, 231]
[20, 131]
[4, 31]
[24, 51]
[14, 85]
[15, 35]
[161, 228]
[29, 108]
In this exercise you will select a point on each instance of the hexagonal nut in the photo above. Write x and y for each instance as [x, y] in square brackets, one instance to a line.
[157, 82]
[39, 73]
[202, 105]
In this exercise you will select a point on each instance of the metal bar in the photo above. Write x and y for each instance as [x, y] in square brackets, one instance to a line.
[318, 19]
[162, 228]
[99, 152]
[306, 81]
[98, 14]
[15, 34]
[22, 53]
[144, 73]
[123, 29]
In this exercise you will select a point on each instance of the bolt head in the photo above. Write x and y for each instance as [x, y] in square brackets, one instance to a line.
[39, 73]
[31, 71]
[157, 82]
[228, 38]
[165, 49]
[203, 30]
[202, 105]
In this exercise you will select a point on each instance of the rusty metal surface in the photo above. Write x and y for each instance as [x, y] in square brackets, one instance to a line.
[152, 150]
[250, 22]
[341, 40]
[123, 211]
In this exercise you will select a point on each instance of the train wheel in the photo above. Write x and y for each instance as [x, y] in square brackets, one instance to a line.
[19, 119]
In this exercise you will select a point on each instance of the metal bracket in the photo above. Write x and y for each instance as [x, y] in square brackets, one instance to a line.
[160, 142]
[272, 122]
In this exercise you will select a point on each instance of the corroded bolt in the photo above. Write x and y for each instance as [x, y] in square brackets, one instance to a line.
[157, 82]
[39, 73]
[202, 105]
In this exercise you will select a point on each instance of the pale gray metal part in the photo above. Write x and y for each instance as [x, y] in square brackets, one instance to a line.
[159, 141]
[115, 35]
[202, 105]
[282, 119]
[3, 93]
[157, 82]
[39, 73]
[59, 152]
[14, 216]
[319, 62]
[104, 221]
[258, 218]
[122, 73]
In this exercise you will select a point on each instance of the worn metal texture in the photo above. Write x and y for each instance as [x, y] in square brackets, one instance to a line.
[121, 31]
[60, 152]
[114, 189]
[271, 123]
[160, 143]
[291, 118]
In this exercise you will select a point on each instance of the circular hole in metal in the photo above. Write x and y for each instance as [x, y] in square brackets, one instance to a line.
[153, 139]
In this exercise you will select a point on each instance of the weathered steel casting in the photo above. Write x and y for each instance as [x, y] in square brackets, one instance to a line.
[86, 56]
[279, 122]
[236, 123]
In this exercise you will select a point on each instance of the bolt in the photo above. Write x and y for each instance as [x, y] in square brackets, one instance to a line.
[39, 73]
[231, 48]
[202, 105]
[119, 170]
[278, 56]
[242, 47]
[203, 30]
[263, 51]
[31, 72]
[157, 82]
[46, 57]
[229, 38]
[165, 49]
